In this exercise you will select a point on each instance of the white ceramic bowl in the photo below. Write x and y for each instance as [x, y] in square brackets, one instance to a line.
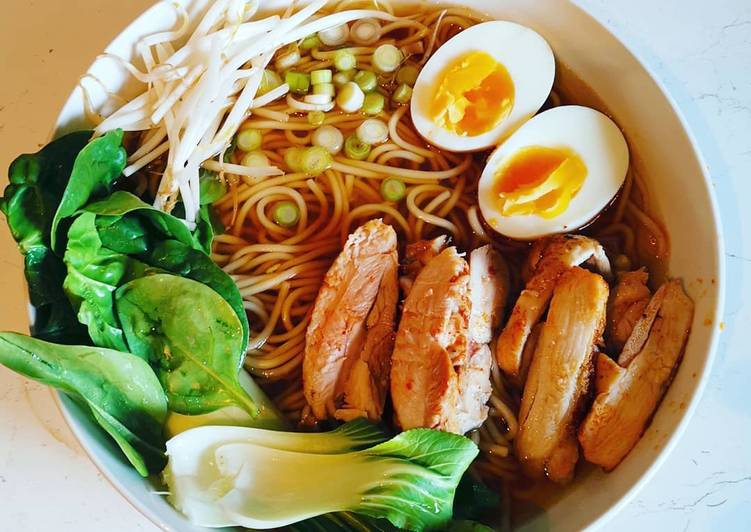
[667, 157]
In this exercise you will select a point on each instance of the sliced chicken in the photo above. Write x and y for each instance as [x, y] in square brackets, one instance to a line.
[547, 262]
[488, 288]
[440, 375]
[627, 302]
[349, 340]
[628, 394]
[431, 340]
[559, 376]
[416, 256]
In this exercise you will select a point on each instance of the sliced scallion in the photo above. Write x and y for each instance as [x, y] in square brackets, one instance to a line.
[350, 98]
[365, 31]
[285, 214]
[366, 80]
[387, 58]
[249, 139]
[342, 78]
[393, 189]
[328, 137]
[356, 149]
[344, 60]
[327, 89]
[299, 82]
[321, 76]
[255, 158]
[293, 159]
[334, 36]
[310, 42]
[316, 118]
[373, 131]
[373, 103]
[402, 94]
[315, 160]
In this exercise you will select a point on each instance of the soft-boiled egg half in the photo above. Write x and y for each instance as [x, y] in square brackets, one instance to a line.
[554, 174]
[481, 85]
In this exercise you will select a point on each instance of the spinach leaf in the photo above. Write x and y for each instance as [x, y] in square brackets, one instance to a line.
[120, 390]
[121, 203]
[54, 318]
[177, 258]
[168, 245]
[192, 337]
[208, 224]
[95, 170]
[211, 188]
[94, 273]
[36, 185]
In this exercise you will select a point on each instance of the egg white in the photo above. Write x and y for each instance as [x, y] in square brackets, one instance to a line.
[594, 137]
[526, 56]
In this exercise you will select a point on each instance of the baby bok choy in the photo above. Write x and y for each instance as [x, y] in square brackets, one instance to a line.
[229, 476]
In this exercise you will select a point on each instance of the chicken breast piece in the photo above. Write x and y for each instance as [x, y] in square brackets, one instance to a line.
[559, 376]
[416, 256]
[439, 378]
[627, 303]
[561, 253]
[488, 289]
[349, 339]
[627, 397]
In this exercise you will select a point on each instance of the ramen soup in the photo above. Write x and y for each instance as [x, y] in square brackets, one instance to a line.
[363, 269]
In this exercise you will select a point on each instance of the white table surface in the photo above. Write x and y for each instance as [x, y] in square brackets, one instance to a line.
[700, 49]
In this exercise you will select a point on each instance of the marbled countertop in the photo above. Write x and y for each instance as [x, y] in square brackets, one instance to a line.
[700, 50]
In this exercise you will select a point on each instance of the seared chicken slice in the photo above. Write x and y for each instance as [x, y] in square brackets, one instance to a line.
[431, 341]
[559, 376]
[547, 262]
[440, 374]
[627, 397]
[488, 288]
[349, 339]
[627, 302]
[416, 256]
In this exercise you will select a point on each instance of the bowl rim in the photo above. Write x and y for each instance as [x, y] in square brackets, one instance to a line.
[64, 405]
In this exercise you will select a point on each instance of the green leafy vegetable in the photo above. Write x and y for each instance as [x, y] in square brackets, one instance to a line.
[220, 476]
[95, 170]
[192, 337]
[119, 389]
[211, 188]
[473, 499]
[126, 236]
[177, 258]
[36, 185]
[268, 416]
[121, 203]
[208, 225]
[94, 273]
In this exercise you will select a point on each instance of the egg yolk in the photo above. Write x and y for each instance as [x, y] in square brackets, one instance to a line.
[539, 180]
[473, 95]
